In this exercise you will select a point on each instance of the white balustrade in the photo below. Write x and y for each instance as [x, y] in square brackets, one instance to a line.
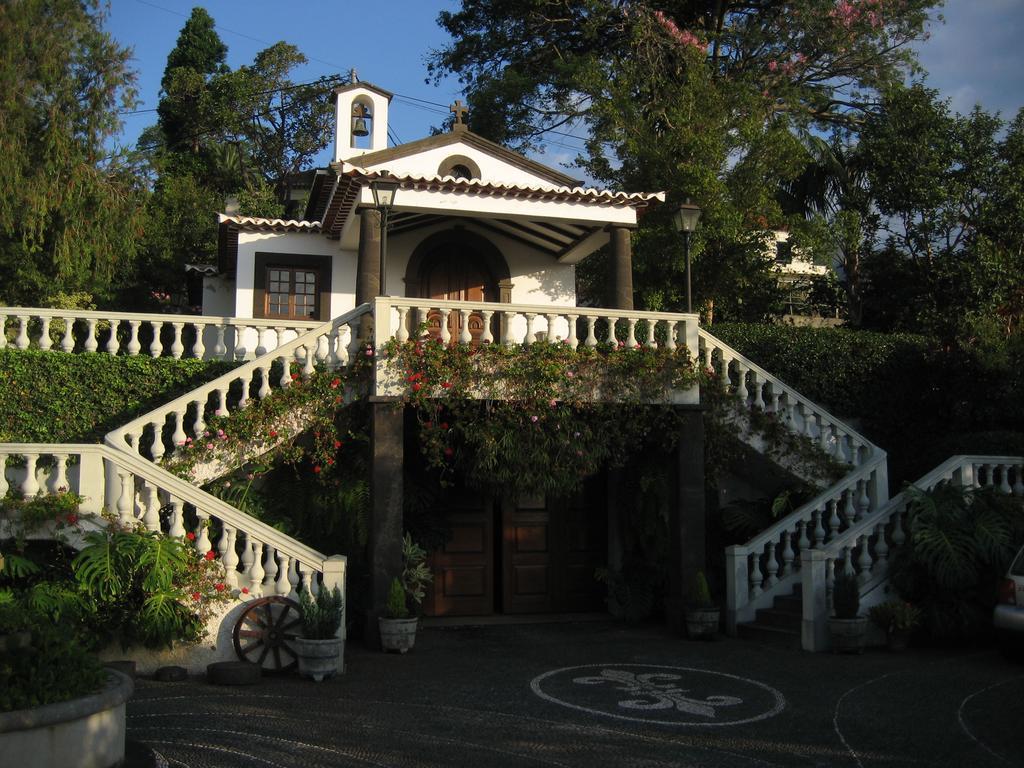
[111, 479]
[209, 338]
[185, 418]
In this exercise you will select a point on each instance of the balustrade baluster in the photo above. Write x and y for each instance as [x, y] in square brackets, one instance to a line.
[1018, 485]
[776, 401]
[198, 347]
[21, 341]
[855, 446]
[758, 389]
[825, 439]
[203, 544]
[4, 485]
[293, 578]
[261, 341]
[808, 418]
[741, 384]
[3, 330]
[848, 568]
[199, 425]
[817, 530]
[863, 500]
[630, 333]
[802, 542]
[113, 345]
[156, 448]
[177, 348]
[264, 389]
[726, 381]
[771, 565]
[67, 342]
[60, 475]
[863, 561]
[156, 347]
[245, 544]
[150, 507]
[45, 342]
[307, 365]
[832, 519]
[30, 484]
[220, 347]
[574, 342]
[530, 317]
[283, 586]
[549, 334]
[465, 337]
[305, 579]
[179, 436]
[591, 340]
[487, 337]
[830, 581]
[256, 573]
[1004, 479]
[278, 337]
[270, 568]
[90, 335]
[787, 555]
[133, 346]
[898, 536]
[508, 339]
[881, 550]
[756, 576]
[849, 508]
[651, 342]
[126, 500]
[286, 372]
[671, 329]
[222, 401]
[229, 556]
[789, 412]
[239, 351]
[177, 527]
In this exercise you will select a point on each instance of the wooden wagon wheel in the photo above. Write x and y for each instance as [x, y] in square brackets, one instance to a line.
[264, 633]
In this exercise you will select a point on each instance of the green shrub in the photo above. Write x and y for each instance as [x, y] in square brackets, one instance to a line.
[959, 545]
[846, 595]
[321, 616]
[395, 607]
[53, 397]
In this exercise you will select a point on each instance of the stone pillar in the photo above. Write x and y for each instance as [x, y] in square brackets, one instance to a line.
[385, 518]
[368, 263]
[622, 268]
[686, 523]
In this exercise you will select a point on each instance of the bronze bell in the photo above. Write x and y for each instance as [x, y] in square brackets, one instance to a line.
[359, 115]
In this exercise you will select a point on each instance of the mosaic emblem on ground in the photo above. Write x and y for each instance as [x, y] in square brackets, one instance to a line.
[649, 693]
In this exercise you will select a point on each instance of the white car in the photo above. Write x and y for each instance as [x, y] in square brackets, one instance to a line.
[1008, 616]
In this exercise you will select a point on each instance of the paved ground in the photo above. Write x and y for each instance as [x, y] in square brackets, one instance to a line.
[600, 694]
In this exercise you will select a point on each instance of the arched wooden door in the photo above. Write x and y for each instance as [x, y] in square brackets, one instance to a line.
[453, 275]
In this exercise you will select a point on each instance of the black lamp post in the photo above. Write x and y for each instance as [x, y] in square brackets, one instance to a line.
[384, 190]
[686, 218]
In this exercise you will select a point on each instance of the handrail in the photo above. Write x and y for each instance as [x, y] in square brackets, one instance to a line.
[157, 317]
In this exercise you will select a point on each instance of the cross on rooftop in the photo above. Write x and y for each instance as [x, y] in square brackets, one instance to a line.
[460, 111]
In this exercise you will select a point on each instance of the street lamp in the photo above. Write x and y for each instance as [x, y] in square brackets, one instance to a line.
[384, 190]
[686, 218]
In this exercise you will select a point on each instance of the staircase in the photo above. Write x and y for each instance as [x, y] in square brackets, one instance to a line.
[778, 583]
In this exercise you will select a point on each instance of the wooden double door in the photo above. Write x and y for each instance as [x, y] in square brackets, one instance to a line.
[456, 275]
[517, 556]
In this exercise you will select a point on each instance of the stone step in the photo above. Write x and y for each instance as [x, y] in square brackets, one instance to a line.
[768, 635]
[789, 604]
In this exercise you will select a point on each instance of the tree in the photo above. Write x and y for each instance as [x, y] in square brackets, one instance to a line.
[68, 214]
[702, 98]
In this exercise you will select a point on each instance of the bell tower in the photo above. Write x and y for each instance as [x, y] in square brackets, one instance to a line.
[361, 119]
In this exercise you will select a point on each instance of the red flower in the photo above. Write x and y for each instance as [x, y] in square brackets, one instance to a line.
[219, 587]
[211, 555]
[446, 384]
[273, 433]
[337, 443]
[444, 425]
[416, 387]
[245, 590]
[295, 376]
[448, 452]
[330, 462]
[197, 596]
[72, 519]
[316, 470]
[337, 400]
[190, 536]
[335, 383]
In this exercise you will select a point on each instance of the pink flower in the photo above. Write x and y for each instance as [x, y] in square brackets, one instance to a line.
[209, 446]
[570, 374]
[220, 433]
[773, 65]
[552, 402]
[369, 352]
[533, 419]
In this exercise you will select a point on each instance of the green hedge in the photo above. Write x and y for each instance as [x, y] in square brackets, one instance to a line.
[60, 398]
[919, 401]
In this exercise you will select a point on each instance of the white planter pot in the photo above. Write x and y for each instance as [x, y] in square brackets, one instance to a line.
[80, 733]
[702, 623]
[318, 658]
[397, 634]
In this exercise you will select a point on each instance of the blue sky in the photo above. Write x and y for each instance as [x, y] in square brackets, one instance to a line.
[977, 56]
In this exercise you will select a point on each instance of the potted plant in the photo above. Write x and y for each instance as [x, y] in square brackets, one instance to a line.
[702, 613]
[898, 619]
[398, 624]
[847, 627]
[318, 648]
